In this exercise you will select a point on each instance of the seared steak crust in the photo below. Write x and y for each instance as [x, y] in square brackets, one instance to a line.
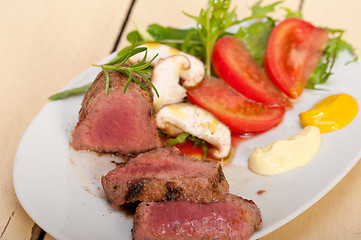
[165, 174]
[120, 123]
[231, 218]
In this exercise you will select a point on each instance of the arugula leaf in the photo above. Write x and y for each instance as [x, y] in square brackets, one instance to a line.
[291, 14]
[211, 23]
[256, 37]
[142, 32]
[165, 33]
[133, 36]
[186, 40]
[324, 68]
[181, 138]
[199, 142]
[261, 12]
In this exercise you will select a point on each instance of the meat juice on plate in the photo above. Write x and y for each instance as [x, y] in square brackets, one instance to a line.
[90, 167]
[190, 149]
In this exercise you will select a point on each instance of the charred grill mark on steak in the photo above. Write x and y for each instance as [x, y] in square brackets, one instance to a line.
[134, 189]
[129, 208]
[221, 176]
[146, 85]
[173, 192]
[218, 179]
[165, 174]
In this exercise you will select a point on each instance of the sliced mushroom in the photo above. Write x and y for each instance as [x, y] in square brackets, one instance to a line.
[165, 78]
[176, 118]
[191, 76]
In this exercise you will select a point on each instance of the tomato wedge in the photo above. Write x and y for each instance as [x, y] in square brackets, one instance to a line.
[234, 64]
[293, 51]
[240, 114]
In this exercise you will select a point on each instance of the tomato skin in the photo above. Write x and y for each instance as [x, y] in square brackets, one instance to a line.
[234, 64]
[293, 51]
[240, 114]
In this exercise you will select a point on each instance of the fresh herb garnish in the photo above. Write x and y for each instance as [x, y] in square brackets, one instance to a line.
[143, 34]
[186, 40]
[292, 14]
[211, 23]
[256, 35]
[70, 92]
[261, 12]
[199, 142]
[181, 138]
[324, 68]
[118, 65]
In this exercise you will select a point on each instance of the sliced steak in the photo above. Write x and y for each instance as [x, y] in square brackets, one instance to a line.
[232, 218]
[120, 123]
[165, 174]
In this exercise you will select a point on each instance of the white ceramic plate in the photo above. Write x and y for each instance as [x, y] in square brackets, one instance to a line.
[59, 187]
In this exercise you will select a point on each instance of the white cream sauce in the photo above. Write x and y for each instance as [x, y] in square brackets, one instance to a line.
[287, 154]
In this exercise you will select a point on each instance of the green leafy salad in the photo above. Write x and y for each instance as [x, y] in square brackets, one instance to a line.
[211, 24]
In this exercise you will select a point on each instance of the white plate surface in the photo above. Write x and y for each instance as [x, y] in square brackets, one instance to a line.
[59, 187]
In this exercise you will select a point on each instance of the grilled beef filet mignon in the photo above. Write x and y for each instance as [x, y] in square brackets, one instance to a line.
[232, 218]
[120, 123]
[165, 174]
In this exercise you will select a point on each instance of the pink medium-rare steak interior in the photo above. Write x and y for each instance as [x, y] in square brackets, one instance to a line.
[114, 124]
[232, 218]
[120, 123]
[165, 174]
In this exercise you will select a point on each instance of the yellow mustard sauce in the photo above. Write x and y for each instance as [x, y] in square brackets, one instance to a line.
[331, 113]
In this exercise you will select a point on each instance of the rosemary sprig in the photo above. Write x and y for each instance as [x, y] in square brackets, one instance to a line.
[117, 65]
